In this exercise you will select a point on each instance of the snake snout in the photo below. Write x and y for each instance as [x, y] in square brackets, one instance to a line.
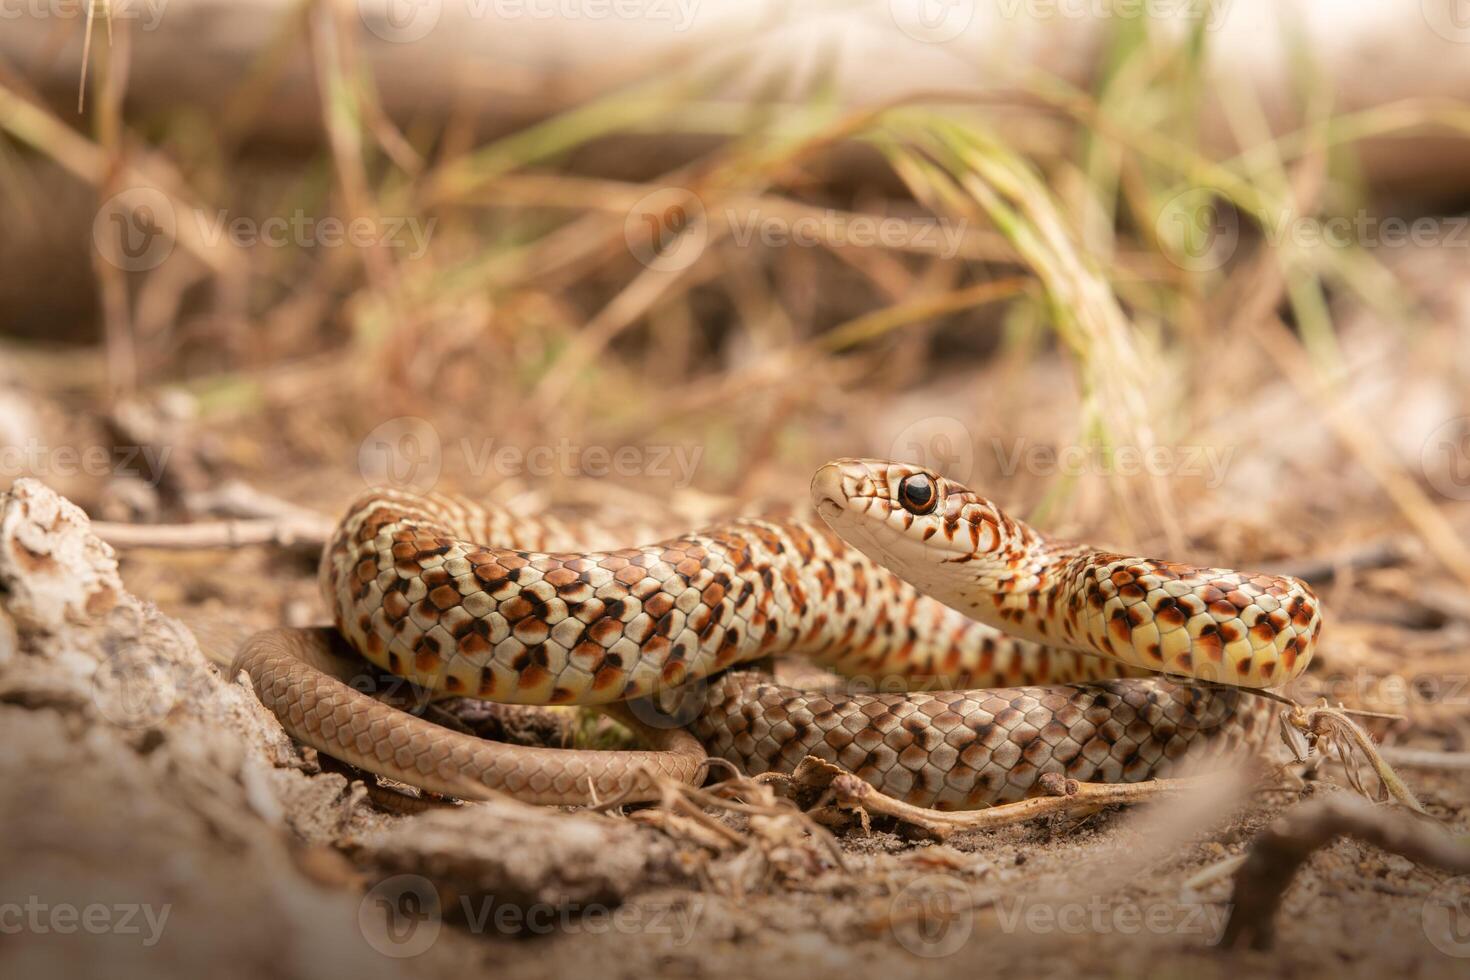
[827, 493]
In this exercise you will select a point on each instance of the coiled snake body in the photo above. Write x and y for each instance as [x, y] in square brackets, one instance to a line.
[1044, 650]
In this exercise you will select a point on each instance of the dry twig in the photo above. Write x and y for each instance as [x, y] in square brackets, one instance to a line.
[214, 534]
[843, 794]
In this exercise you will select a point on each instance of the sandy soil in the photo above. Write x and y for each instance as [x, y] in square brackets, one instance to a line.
[160, 824]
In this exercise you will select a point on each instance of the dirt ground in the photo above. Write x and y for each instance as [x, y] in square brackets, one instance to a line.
[142, 784]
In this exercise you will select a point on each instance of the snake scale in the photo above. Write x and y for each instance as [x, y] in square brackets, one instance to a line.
[993, 654]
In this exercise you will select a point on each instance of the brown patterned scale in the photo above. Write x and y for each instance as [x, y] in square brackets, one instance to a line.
[467, 600]
[961, 750]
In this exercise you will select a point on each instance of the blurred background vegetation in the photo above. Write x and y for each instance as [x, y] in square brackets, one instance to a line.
[1094, 235]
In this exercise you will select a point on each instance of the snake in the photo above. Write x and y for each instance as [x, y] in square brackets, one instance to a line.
[979, 653]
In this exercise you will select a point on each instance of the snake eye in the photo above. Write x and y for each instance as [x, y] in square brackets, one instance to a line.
[917, 494]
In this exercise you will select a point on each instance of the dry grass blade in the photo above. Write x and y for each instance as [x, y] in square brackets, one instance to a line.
[962, 168]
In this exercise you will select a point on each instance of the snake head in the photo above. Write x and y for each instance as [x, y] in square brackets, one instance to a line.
[917, 523]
